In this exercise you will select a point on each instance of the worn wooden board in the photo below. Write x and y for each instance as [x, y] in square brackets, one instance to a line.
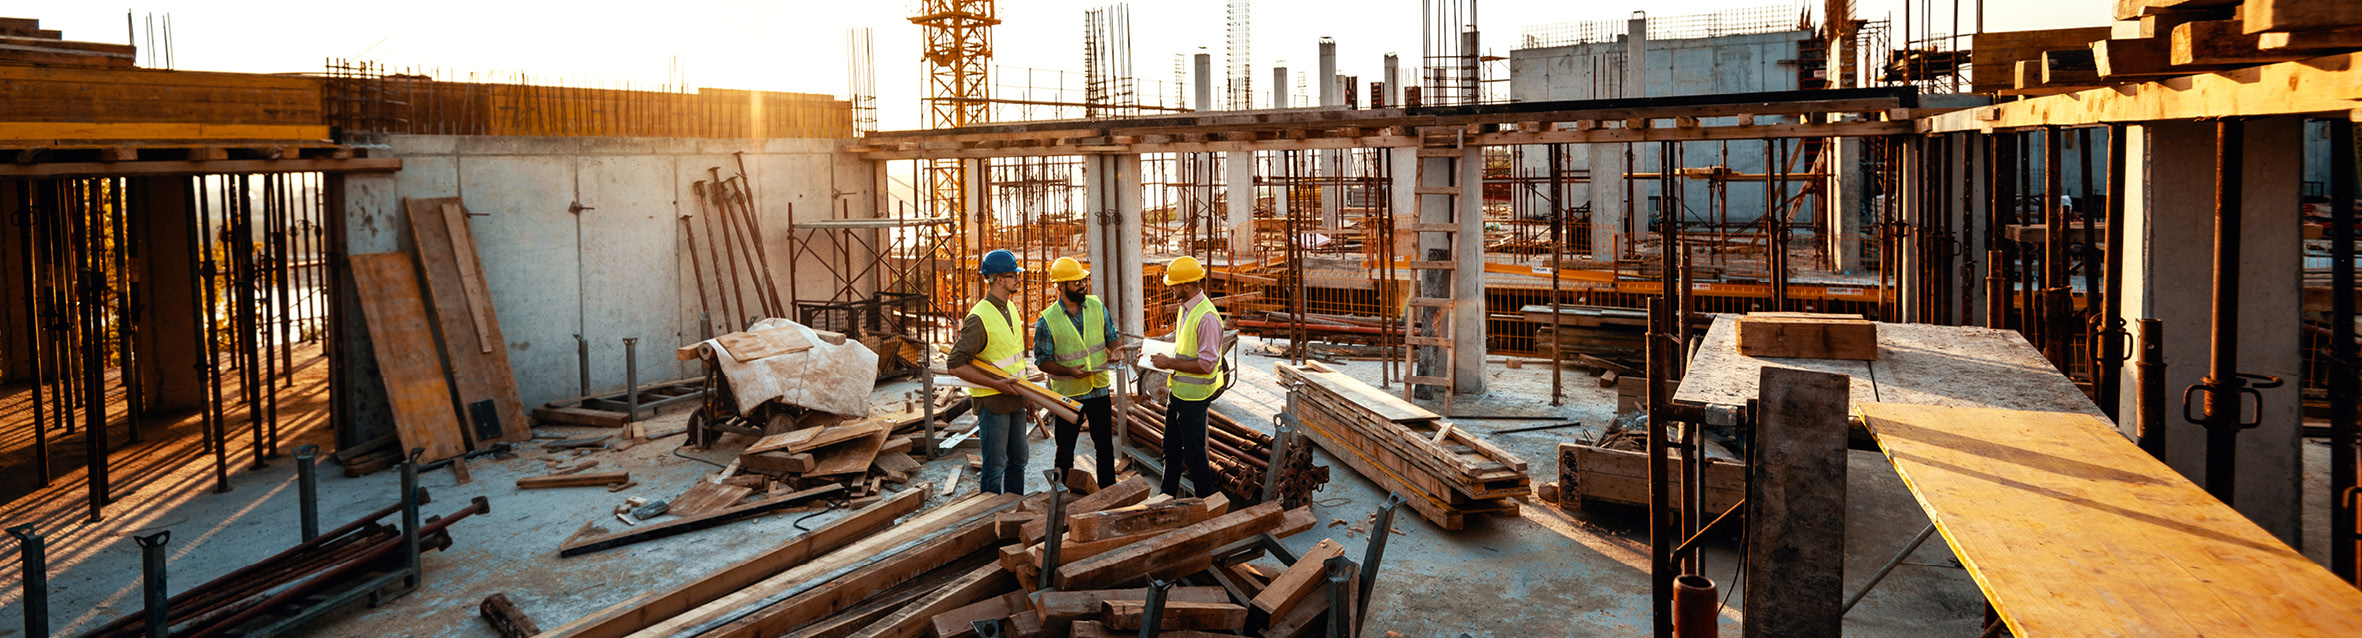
[1922, 364]
[1177, 615]
[585, 479]
[962, 536]
[1092, 526]
[1059, 608]
[1299, 581]
[707, 497]
[1796, 512]
[424, 414]
[1808, 336]
[749, 346]
[2072, 530]
[959, 622]
[454, 279]
[1160, 556]
[1621, 476]
[915, 620]
[851, 457]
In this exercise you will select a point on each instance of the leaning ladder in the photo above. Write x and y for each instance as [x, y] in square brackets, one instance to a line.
[1435, 329]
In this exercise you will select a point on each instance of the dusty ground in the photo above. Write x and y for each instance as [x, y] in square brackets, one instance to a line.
[1548, 573]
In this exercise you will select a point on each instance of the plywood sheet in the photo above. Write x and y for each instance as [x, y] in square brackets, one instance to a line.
[1960, 366]
[454, 279]
[850, 457]
[2071, 530]
[424, 417]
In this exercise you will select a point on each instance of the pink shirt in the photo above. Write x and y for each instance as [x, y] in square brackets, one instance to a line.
[1209, 334]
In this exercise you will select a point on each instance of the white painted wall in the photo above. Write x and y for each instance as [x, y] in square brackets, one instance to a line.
[621, 269]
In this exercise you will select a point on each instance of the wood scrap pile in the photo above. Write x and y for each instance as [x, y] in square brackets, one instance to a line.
[1239, 455]
[860, 454]
[979, 558]
[1445, 473]
[1615, 334]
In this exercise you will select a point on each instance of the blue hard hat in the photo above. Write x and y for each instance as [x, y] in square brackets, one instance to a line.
[1000, 262]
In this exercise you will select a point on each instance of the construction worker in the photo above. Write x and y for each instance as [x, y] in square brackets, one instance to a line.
[993, 334]
[1070, 342]
[1197, 335]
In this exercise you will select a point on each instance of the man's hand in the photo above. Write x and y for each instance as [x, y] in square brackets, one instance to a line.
[1162, 361]
[1006, 386]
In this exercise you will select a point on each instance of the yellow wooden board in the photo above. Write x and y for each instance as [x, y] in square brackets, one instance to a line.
[2071, 530]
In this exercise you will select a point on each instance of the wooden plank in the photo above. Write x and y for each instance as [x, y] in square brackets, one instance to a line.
[778, 462]
[2225, 42]
[1177, 615]
[585, 542]
[632, 615]
[1157, 556]
[1122, 494]
[1299, 581]
[2300, 15]
[958, 623]
[1384, 404]
[963, 537]
[1796, 518]
[1808, 337]
[832, 435]
[586, 479]
[406, 355]
[707, 497]
[582, 416]
[849, 458]
[2066, 525]
[749, 346]
[914, 620]
[1060, 608]
[1091, 526]
[478, 372]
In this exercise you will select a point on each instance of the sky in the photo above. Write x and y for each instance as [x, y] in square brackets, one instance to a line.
[800, 45]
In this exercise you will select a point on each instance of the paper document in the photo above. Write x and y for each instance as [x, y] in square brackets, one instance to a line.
[1149, 348]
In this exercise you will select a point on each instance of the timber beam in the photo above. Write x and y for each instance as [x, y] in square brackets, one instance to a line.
[2328, 84]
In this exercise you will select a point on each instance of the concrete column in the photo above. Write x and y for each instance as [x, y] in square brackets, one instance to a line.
[1393, 81]
[1848, 202]
[1328, 74]
[1205, 82]
[1636, 58]
[170, 346]
[1608, 212]
[1907, 262]
[1279, 87]
[1332, 162]
[1468, 326]
[1112, 193]
[2168, 235]
[1238, 178]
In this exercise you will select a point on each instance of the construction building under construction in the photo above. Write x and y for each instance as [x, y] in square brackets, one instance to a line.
[1668, 325]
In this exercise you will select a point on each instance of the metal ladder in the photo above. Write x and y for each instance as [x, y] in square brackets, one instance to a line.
[1436, 331]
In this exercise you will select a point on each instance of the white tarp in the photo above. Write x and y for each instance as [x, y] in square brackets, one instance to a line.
[829, 377]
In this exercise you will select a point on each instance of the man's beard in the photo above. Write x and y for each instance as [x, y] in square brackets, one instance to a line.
[1074, 296]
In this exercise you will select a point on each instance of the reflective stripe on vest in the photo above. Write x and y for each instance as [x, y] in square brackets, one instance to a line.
[1189, 386]
[1003, 347]
[1077, 349]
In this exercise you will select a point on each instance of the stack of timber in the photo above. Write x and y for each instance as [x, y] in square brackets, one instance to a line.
[1240, 456]
[979, 558]
[1445, 473]
[2154, 39]
[23, 41]
[1618, 335]
[825, 449]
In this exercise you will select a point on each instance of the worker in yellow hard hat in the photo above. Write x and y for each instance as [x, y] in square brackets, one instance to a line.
[1196, 377]
[993, 334]
[1071, 342]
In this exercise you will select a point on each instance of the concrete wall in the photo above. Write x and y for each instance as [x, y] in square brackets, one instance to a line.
[619, 269]
[1699, 66]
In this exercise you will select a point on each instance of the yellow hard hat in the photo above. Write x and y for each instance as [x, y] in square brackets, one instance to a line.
[1067, 269]
[1184, 270]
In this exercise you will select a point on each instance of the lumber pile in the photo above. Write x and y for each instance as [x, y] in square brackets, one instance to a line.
[23, 41]
[1239, 455]
[980, 559]
[2163, 38]
[1445, 473]
[1805, 335]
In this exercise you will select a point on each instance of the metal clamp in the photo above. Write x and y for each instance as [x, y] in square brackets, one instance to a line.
[1055, 526]
[2106, 332]
[1152, 609]
[2240, 382]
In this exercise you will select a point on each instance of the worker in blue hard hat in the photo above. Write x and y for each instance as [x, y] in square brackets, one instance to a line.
[1072, 341]
[993, 334]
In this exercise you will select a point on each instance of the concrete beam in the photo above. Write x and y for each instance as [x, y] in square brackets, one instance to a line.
[1112, 194]
[1238, 179]
[2327, 84]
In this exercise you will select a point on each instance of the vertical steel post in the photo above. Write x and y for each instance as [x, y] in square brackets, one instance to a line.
[1380, 531]
[582, 364]
[2149, 399]
[631, 377]
[2111, 321]
[1152, 608]
[2342, 418]
[307, 489]
[151, 562]
[1660, 515]
[2222, 382]
[1056, 528]
[2054, 252]
[410, 516]
[34, 552]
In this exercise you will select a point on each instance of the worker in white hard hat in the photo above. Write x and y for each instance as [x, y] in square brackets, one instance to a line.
[1071, 343]
[993, 334]
[1196, 377]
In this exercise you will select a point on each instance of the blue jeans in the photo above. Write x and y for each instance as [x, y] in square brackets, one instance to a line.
[1004, 451]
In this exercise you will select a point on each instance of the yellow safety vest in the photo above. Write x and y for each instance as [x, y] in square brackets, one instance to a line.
[1079, 349]
[1003, 347]
[1188, 386]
